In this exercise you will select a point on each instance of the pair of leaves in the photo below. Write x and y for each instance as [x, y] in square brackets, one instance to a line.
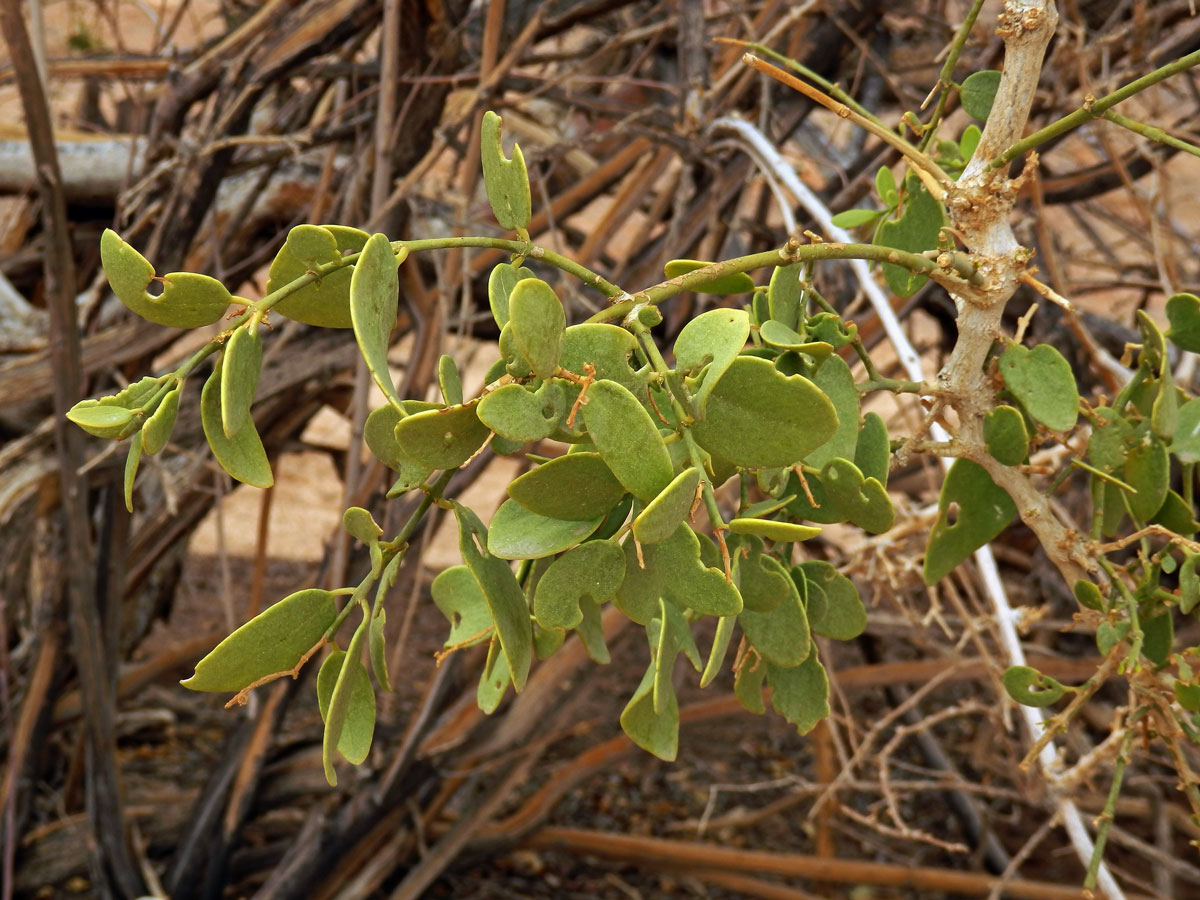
[118, 415]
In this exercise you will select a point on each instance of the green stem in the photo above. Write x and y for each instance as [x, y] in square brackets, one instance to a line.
[1151, 132]
[1095, 109]
[946, 78]
[784, 256]
[1104, 821]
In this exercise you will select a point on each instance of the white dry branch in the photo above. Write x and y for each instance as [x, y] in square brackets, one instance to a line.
[779, 170]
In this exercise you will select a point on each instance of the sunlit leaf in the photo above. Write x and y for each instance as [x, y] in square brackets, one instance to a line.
[374, 299]
[577, 486]
[358, 726]
[442, 438]
[593, 571]
[712, 339]
[188, 300]
[518, 533]
[731, 283]
[972, 510]
[501, 282]
[157, 430]
[326, 301]
[506, 180]
[667, 511]
[1005, 435]
[242, 456]
[449, 381]
[1183, 312]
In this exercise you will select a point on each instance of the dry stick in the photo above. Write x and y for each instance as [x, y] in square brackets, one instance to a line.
[660, 852]
[112, 859]
[914, 367]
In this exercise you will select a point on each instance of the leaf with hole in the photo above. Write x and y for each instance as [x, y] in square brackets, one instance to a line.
[240, 368]
[578, 486]
[519, 414]
[243, 456]
[664, 514]
[720, 283]
[1029, 687]
[505, 600]
[188, 300]
[1043, 383]
[972, 510]
[272, 642]
[757, 416]
[456, 593]
[442, 438]
[628, 439]
[358, 725]
[325, 302]
[374, 300]
[592, 571]
[713, 339]
[506, 180]
[800, 693]
[518, 533]
[1005, 435]
[978, 92]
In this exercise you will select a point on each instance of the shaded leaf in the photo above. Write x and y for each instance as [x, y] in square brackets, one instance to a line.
[157, 430]
[978, 92]
[1183, 312]
[1005, 435]
[915, 231]
[842, 616]
[131, 466]
[519, 414]
[442, 438]
[188, 300]
[873, 452]
[449, 381]
[1147, 471]
[776, 334]
[835, 381]
[1029, 687]
[593, 571]
[780, 634]
[493, 680]
[785, 295]
[655, 732]
[518, 533]
[501, 282]
[1185, 445]
[577, 486]
[456, 593]
[358, 726]
[674, 571]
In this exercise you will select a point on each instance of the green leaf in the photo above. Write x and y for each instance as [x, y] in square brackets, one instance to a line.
[732, 283]
[842, 616]
[915, 231]
[885, 187]
[1189, 583]
[978, 92]
[757, 416]
[449, 381]
[969, 141]
[1109, 634]
[785, 295]
[377, 645]
[800, 694]
[1158, 635]
[1005, 435]
[157, 430]
[504, 597]
[493, 680]
[1183, 312]
[240, 369]
[853, 218]
[628, 439]
[844, 496]
[536, 323]
[835, 381]
[243, 456]
[361, 525]
[772, 529]
[656, 732]
[358, 725]
[761, 579]
[591, 632]
[456, 593]
[780, 634]
[442, 438]
[518, 533]
[1030, 687]
[1147, 471]
[131, 466]
[1185, 445]
[720, 646]
[713, 339]
[374, 299]
[519, 414]
[776, 334]
[1042, 381]
[100, 421]
[272, 642]
[873, 453]
[1089, 596]
[674, 571]
[1188, 696]
[972, 510]
[326, 301]
[1176, 515]
[578, 486]
[506, 180]
[312, 244]
[593, 571]
[1111, 438]
[1164, 414]
[188, 300]
[501, 282]
[668, 510]
[748, 684]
